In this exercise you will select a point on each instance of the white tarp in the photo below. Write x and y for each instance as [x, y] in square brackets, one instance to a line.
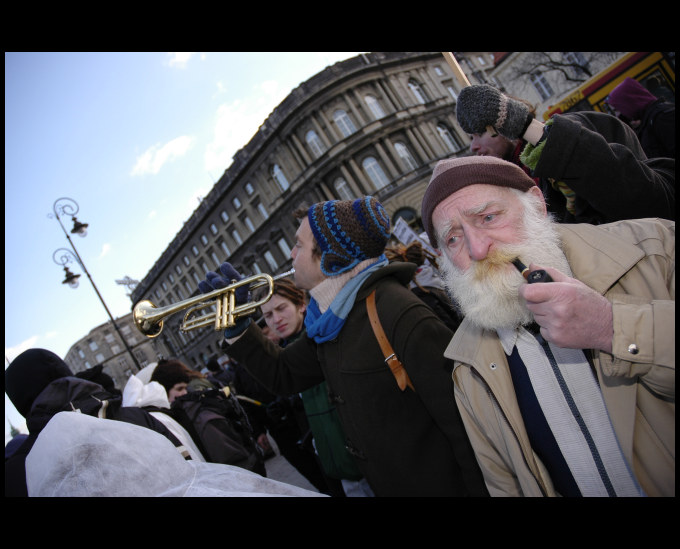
[80, 455]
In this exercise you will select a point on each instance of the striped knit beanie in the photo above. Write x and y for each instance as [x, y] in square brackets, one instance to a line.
[348, 232]
[453, 174]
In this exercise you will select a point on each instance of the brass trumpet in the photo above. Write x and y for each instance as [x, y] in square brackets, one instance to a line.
[149, 318]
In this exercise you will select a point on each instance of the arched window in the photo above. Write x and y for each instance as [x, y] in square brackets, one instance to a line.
[342, 188]
[284, 247]
[417, 90]
[315, 143]
[375, 172]
[236, 236]
[408, 214]
[273, 265]
[375, 107]
[406, 156]
[344, 122]
[448, 138]
[277, 174]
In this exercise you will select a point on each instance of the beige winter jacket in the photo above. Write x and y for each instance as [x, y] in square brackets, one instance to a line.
[632, 263]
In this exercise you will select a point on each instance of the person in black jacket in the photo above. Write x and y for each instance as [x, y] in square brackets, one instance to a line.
[402, 425]
[652, 118]
[591, 166]
[40, 384]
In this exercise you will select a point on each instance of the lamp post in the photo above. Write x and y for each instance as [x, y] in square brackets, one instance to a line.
[69, 207]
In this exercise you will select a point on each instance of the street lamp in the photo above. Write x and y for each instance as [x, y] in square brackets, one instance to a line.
[62, 257]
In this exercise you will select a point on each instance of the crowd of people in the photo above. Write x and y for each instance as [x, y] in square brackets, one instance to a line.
[384, 370]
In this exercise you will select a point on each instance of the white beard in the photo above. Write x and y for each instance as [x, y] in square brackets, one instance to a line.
[488, 292]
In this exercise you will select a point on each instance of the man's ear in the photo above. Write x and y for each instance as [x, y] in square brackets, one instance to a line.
[538, 193]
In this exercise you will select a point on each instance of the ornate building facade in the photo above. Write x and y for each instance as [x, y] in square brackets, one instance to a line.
[375, 124]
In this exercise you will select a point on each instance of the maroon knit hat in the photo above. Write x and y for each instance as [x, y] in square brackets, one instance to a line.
[453, 174]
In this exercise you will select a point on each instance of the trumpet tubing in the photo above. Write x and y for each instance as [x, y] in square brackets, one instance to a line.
[149, 319]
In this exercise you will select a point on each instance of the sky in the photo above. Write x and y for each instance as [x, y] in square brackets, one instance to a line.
[135, 139]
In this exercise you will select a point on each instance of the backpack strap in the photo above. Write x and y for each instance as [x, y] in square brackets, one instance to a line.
[391, 359]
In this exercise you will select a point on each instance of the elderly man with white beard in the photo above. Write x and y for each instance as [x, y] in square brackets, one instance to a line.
[566, 388]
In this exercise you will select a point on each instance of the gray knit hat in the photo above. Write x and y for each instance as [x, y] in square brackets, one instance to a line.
[482, 106]
[453, 174]
[348, 232]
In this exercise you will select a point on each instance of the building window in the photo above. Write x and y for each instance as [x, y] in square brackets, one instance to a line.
[178, 269]
[315, 144]
[375, 107]
[236, 202]
[225, 248]
[342, 188]
[344, 122]
[248, 223]
[186, 261]
[417, 91]
[249, 189]
[225, 216]
[194, 249]
[262, 210]
[375, 172]
[438, 71]
[213, 228]
[541, 85]
[447, 136]
[171, 278]
[406, 156]
[578, 61]
[215, 259]
[236, 236]
[277, 174]
[204, 239]
[284, 247]
[452, 92]
[273, 265]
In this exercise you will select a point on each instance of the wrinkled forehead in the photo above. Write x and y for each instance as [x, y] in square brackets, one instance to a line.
[474, 199]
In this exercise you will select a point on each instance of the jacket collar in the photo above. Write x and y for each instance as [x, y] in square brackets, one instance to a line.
[597, 258]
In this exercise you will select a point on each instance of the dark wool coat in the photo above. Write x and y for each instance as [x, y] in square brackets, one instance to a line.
[601, 160]
[405, 443]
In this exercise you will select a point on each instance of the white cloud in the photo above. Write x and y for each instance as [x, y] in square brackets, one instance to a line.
[106, 248]
[179, 59]
[154, 158]
[237, 122]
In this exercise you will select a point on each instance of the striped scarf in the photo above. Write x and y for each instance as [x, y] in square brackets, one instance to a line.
[324, 324]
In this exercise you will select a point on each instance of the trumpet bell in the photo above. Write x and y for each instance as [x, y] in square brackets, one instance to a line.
[141, 316]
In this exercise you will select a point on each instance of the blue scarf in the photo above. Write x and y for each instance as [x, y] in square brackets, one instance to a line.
[327, 326]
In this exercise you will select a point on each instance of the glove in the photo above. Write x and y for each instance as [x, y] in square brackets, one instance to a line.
[482, 106]
[216, 281]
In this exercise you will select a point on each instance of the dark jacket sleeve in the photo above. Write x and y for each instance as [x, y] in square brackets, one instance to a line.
[282, 371]
[602, 161]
